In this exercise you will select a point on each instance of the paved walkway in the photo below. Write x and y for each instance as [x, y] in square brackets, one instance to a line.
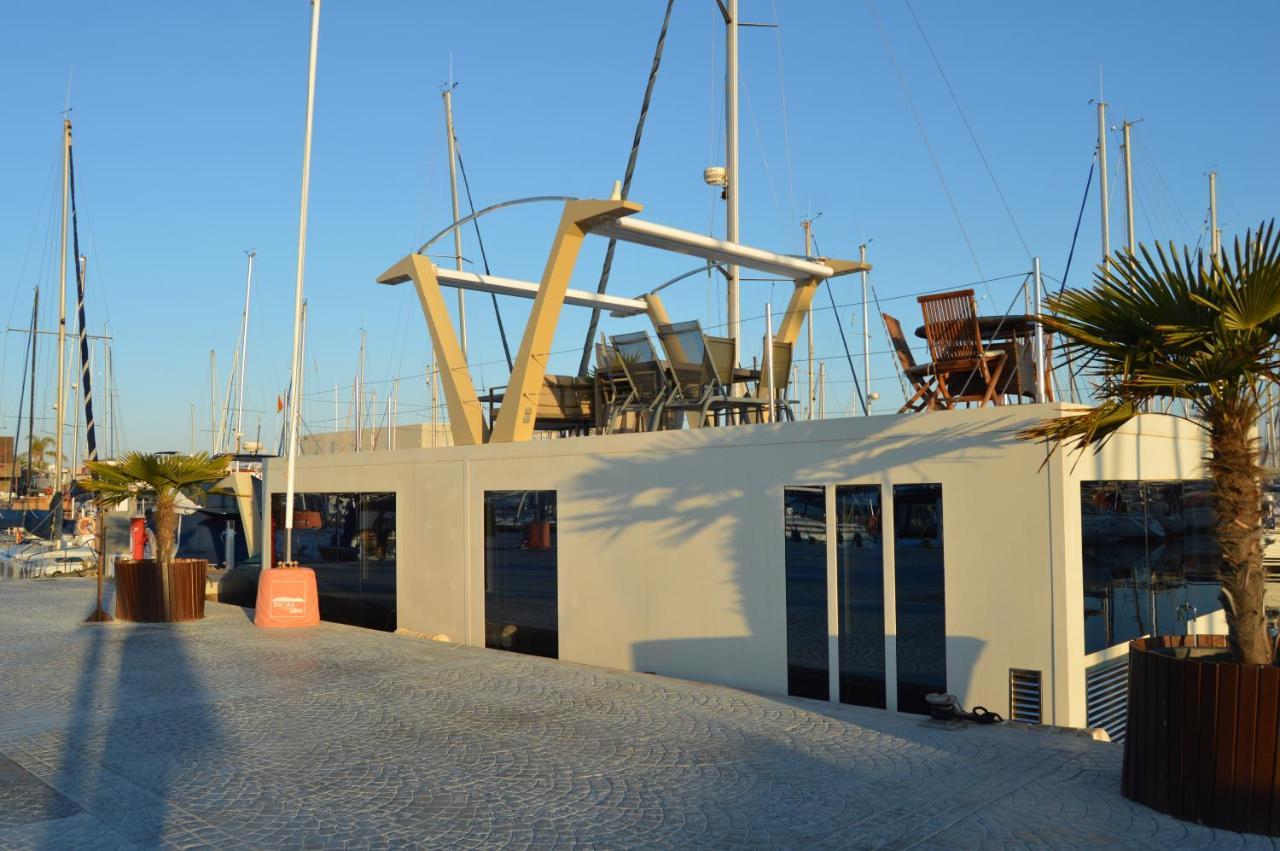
[219, 735]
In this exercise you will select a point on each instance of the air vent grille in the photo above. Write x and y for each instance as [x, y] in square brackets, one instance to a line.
[1107, 696]
[1024, 695]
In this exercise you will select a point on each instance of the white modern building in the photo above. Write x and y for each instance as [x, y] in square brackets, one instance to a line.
[869, 559]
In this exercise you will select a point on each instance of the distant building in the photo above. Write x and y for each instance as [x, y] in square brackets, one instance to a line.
[412, 436]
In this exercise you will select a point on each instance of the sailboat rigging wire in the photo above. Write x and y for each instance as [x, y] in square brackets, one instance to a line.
[1071, 373]
[484, 258]
[626, 186]
[22, 395]
[924, 135]
[786, 127]
[857, 388]
[90, 432]
[967, 126]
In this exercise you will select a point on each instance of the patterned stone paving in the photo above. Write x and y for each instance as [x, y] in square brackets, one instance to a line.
[217, 735]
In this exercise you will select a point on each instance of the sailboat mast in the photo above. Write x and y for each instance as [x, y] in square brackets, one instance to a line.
[731, 189]
[213, 401]
[296, 366]
[807, 224]
[60, 408]
[1215, 235]
[244, 351]
[1128, 185]
[866, 332]
[1102, 183]
[31, 403]
[457, 231]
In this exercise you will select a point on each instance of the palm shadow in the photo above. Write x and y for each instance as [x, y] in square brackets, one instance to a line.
[678, 496]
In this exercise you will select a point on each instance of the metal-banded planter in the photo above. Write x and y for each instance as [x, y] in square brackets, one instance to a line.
[1202, 734]
[140, 593]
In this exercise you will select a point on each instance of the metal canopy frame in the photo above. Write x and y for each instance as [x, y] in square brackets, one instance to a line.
[608, 218]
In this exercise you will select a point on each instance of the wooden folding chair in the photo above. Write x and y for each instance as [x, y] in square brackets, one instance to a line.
[920, 376]
[966, 371]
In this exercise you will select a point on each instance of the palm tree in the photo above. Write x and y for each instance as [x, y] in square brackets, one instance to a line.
[163, 478]
[38, 454]
[1170, 327]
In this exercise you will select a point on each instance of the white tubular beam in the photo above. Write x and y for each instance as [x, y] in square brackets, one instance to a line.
[617, 305]
[698, 245]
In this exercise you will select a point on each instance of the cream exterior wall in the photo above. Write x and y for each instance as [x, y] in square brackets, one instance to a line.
[671, 543]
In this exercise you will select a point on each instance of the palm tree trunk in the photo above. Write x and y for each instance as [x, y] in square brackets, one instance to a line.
[1237, 484]
[166, 523]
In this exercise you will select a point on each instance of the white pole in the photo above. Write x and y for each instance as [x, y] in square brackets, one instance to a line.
[1102, 183]
[866, 335]
[457, 231]
[337, 415]
[213, 402]
[59, 414]
[768, 361]
[732, 188]
[395, 412]
[1215, 235]
[244, 350]
[808, 323]
[822, 391]
[431, 382]
[1039, 358]
[295, 378]
[359, 394]
[1128, 186]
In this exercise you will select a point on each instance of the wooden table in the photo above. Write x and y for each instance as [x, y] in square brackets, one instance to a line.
[1011, 327]
[1014, 334]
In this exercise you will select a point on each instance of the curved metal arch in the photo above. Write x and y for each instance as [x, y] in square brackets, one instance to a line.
[678, 278]
[533, 199]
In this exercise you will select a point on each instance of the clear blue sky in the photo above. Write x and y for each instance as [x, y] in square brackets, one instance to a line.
[188, 127]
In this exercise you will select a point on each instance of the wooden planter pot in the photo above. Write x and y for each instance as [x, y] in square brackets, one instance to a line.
[140, 593]
[1202, 735]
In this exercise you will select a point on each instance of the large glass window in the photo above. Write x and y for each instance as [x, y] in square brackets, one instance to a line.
[349, 540]
[860, 585]
[921, 594]
[520, 602]
[1150, 558]
[805, 524]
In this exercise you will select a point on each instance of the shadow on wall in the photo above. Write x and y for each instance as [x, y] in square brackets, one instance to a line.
[733, 504]
[140, 729]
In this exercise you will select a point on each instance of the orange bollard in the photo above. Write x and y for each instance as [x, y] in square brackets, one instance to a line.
[287, 597]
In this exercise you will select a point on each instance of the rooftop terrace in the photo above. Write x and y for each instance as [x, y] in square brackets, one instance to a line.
[216, 734]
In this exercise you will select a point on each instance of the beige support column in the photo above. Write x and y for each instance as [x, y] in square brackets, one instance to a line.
[802, 298]
[520, 401]
[797, 309]
[459, 393]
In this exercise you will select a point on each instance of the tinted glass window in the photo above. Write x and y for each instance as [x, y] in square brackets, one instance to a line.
[860, 584]
[805, 525]
[349, 540]
[520, 602]
[1150, 558]
[921, 594]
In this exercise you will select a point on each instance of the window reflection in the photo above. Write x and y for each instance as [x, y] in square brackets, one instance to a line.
[860, 585]
[805, 525]
[1150, 558]
[520, 602]
[349, 540]
[921, 594]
